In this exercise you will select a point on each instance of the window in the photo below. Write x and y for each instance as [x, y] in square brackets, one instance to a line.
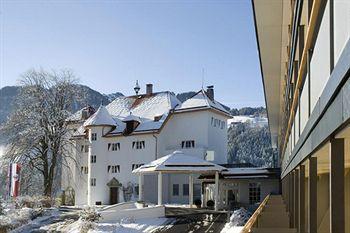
[254, 193]
[223, 124]
[187, 144]
[185, 189]
[93, 158]
[138, 144]
[93, 136]
[218, 123]
[84, 148]
[175, 189]
[93, 182]
[84, 170]
[135, 166]
[113, 168]
[114, 146]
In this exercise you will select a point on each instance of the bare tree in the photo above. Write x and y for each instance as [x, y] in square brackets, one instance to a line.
[37, 130]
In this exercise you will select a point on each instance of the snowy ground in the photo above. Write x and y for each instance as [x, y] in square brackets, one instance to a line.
[39, 219]
[69, 220]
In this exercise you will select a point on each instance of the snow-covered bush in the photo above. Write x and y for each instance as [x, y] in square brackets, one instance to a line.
[89, 215]
[18, 217]
[34, 202]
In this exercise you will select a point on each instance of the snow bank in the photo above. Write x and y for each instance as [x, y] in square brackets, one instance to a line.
[237, 221]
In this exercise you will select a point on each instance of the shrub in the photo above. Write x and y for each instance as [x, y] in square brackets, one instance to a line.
[210, 203]
[198, 202]
[89, 215]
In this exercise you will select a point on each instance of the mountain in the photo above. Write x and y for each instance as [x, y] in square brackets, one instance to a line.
[113, 96]
[9, 94]
[250, 144]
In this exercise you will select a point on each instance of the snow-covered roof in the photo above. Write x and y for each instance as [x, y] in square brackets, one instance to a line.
[247, 170]
[179, 162]
[247, 173]
[251, 172]
[150, 110]
[201, 100]
[79, 132]
[143, 106]
[100, 117]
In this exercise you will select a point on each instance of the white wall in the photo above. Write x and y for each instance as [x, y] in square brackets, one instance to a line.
[304, 106]
[112, 216]
[341, 26]
[320, 61]
[180, 127]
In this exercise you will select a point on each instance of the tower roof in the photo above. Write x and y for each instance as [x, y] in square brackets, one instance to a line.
[100, 117]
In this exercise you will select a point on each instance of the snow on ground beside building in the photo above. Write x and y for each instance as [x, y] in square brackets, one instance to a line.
[237, 221]
[124, 226]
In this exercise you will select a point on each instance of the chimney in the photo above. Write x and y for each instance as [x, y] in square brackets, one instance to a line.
[210, 92]
[149, 89]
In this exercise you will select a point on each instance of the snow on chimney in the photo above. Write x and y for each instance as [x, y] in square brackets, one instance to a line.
[149, 89]
[210, 92]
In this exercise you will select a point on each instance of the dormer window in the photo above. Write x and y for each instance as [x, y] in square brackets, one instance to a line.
[157, 118]
[131, 122]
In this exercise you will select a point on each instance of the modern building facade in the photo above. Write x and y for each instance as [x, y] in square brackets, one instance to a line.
[304, 51]
[134, 130]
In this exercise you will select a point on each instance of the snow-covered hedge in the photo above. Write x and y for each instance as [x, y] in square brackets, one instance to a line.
[14, 218]
[34, 202]
[18, 212]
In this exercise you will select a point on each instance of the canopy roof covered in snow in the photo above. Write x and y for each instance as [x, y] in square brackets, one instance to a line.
[201, 100]
[178, 162]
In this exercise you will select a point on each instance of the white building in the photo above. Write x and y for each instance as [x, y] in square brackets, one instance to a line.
[135, 130]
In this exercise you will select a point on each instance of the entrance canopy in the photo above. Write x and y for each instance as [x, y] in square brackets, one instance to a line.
[179, 162]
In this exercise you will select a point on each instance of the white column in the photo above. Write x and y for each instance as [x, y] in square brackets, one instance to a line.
[160, 188]
[216, 190]
[190, 186]
[140, 187]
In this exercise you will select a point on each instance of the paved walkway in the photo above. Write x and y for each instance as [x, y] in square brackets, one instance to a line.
[196, 223]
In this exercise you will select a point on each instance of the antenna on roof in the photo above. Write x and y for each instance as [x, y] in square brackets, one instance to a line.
[202, 77]
[137, 87]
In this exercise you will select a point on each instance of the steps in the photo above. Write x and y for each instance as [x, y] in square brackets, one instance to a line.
[273, 217]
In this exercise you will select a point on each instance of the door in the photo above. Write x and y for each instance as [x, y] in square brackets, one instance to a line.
[113, 195]
[232, 198]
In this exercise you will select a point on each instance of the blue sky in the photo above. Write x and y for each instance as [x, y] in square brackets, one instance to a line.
[110, 44]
